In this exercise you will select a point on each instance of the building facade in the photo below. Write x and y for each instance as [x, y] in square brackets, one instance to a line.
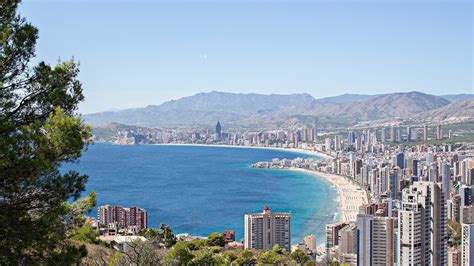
[266, 229]
[422, 225]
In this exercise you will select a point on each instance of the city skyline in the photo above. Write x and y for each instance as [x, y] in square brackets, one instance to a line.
[165, 50]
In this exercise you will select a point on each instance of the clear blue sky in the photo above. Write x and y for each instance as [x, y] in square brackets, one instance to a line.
[137, 53]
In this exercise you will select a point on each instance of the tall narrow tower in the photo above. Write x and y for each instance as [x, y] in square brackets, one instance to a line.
[315, 129]
[218, 130]
[422, 225]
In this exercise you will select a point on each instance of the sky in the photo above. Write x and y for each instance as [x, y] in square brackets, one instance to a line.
[139, 53]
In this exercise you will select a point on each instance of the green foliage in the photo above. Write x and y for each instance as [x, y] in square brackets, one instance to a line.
[230, 255]
[196, 245]
[452, 225]
[276, 248]
[216, 239]
[163, 236]
[116, 259]
[86, 234]
[180, 254]
[269, 257]
[300, 257]
[38, 132]
[203, 257]
[246, 257]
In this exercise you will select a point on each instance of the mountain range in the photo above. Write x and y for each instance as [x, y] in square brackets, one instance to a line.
[274, 110]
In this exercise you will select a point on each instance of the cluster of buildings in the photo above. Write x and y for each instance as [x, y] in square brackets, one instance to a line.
[414, 191]
[118, 220]
[282, 138]
[420, 195]
[289, 138]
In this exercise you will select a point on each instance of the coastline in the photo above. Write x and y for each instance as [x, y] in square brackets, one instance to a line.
[351, 196]
[295, 150]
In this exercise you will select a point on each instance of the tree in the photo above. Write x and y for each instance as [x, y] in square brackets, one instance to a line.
[276, 248]
[216, 239]
[139, 253]
[269, 257]
[203, 257]
[86, 234]
[246, 257]
[299, 256]
[179, 255]
[167, 236]
[39, 131]
[162, 237]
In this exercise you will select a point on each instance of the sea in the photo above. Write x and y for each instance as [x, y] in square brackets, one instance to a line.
[204, 189]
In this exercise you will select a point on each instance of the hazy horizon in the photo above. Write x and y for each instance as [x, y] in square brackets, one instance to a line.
[134, 55]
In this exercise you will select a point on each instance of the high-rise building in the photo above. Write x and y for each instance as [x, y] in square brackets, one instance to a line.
[310, 242]
[467, 215]
[422, 225]
[375, 243]
[394, 183]
[218, 130]
[337, 143]
[401, 160]
[466, 195]
[439, 132]
[327, 144]
[446, 180]
[425, 132]
[315, 129]
[467, 244]
[348, 239]
[266, 229]
[351, 138]
[123, 217]
[106, 214]
[409, 134]
[393, 134]
[383, 135]
[332, 234]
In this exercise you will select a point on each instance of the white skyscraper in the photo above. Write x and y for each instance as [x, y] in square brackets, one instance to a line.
[422, 225]
[467, 244]
[337, 143]
[327, 144]
[264, 230]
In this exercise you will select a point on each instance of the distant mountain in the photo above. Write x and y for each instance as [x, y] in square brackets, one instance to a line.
[400, 105]
[203, 109]
[264, 111]
[454, 112]
[457, 97]
[344, 98]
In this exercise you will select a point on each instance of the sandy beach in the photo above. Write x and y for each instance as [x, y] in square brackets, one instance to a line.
[351, 195]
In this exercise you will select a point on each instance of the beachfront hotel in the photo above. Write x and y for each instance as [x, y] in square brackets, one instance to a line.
[266, 229]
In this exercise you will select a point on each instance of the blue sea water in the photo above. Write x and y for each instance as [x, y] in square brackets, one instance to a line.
[200, 189]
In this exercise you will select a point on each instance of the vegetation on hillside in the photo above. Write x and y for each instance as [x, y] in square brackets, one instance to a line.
[39, 131]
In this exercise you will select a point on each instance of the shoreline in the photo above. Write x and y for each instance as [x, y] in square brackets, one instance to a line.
[351, 195]
[294, 150]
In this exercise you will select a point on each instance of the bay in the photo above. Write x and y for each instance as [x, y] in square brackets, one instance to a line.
[205, 189]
